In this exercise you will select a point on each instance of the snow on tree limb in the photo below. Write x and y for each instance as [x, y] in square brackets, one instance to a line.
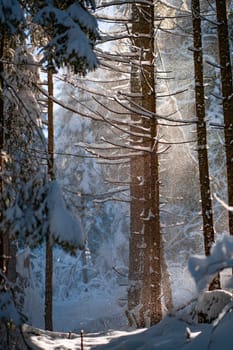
[64, 227]
[227, 207]
[11, 16]
[40, 210]
[72, 33]
[204, 268]
[8, 311]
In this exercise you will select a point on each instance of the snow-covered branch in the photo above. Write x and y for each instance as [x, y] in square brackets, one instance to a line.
[205, 268]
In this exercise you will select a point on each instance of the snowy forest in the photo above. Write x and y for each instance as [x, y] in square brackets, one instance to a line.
[116, 174]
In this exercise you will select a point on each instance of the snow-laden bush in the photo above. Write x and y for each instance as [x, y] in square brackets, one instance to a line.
[205, 268]
[39, 211]
[210, 304]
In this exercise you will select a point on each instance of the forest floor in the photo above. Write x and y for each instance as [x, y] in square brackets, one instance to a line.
[172, 333]
[105, 327]
[40, 339]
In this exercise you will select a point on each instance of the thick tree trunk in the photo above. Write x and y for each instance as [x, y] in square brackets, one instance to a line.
[227, 95]
[145, 265]
[49, 248]
[136, 255]
[152, 265]
[205, 189]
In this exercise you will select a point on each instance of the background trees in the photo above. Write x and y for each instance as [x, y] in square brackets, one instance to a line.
[130, 127]
[175, 119]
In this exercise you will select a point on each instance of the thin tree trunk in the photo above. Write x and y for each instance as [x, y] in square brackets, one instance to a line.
[49, 286]
[205, 189]
[49, 248]
[227, 95]
[2, 144]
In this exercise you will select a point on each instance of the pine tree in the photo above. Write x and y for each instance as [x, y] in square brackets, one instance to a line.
[11, 23]
[227, 96]
[145, 240]
[72, 30]
[205, 189]
[49, 248]
[1, 147]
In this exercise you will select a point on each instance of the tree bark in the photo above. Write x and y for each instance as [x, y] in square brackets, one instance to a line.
[166, 282]
[227, 97]
[205, 189]
[136, 253]
[49, 248]
[145, 241]
[2, 145]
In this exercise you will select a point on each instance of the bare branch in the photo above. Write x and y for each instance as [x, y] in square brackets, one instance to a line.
[61, 104]
[145, 113]
[122, 2]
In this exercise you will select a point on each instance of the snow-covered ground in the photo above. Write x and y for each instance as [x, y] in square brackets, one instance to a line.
[170, 334]
[181, 329]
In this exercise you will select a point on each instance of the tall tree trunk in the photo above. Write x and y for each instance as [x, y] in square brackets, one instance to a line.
[152, 264]
[227, 96]
[205, 189]
[49, 248]
[2, 136]
[145, 241]
[136, 253]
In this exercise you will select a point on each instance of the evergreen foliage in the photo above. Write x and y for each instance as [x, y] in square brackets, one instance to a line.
[26, 219]
[71, 32]
[38, 209]
[28, 210]
[12, 19]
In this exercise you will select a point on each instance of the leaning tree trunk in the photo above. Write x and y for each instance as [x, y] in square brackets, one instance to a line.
[227, 97]
[49, 248]
[205, 189]
[144, 297]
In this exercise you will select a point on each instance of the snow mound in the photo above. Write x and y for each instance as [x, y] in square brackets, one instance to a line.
[210, 304]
